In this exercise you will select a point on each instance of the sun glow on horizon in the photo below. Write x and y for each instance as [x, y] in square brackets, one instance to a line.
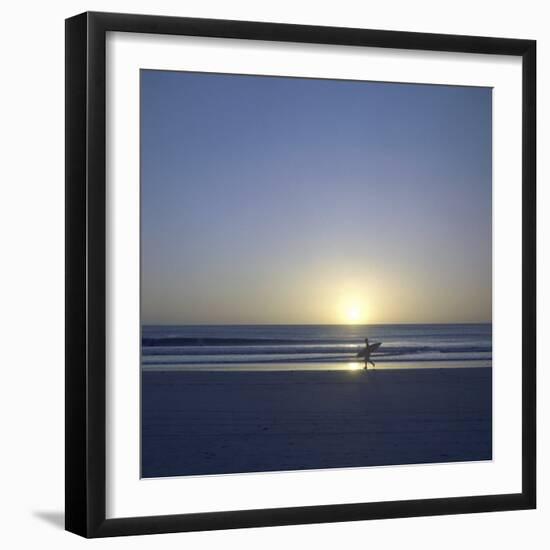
[353, 312]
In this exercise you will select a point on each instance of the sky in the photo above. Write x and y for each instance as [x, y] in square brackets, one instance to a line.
[273, 200]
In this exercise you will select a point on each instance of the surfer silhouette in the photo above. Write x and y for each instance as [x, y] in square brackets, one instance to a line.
[366, 353]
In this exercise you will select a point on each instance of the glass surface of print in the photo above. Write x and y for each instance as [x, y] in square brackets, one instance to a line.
[316, 273]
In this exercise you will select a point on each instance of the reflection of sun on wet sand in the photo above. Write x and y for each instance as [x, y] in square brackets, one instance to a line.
[222, 422]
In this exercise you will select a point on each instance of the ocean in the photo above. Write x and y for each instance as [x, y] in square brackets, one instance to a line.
[314, 347]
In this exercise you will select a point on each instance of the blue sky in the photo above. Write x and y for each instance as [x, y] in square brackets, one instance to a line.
[287, 200]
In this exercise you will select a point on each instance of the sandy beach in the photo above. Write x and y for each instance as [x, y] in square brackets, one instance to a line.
[197, 423]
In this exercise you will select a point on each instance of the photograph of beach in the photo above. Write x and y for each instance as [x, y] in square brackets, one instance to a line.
[316, 274]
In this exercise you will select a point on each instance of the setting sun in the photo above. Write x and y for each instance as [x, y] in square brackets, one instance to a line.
[353, 312]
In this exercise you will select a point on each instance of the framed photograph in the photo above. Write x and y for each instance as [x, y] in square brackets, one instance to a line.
[300, 274]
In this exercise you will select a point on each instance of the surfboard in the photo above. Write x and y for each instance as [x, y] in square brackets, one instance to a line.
[372, 347]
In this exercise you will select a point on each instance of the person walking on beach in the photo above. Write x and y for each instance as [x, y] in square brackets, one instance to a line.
[366, 353]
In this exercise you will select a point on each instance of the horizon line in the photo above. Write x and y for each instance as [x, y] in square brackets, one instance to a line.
[312, 324]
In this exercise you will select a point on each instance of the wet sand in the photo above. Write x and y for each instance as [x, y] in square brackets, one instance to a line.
[197, 423]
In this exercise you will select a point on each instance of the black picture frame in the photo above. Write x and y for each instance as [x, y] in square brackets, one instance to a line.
[86, 269]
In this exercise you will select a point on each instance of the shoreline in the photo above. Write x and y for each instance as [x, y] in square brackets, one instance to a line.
[315, 366]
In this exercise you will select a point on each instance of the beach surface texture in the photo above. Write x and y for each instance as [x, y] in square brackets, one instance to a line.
[220, 422]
